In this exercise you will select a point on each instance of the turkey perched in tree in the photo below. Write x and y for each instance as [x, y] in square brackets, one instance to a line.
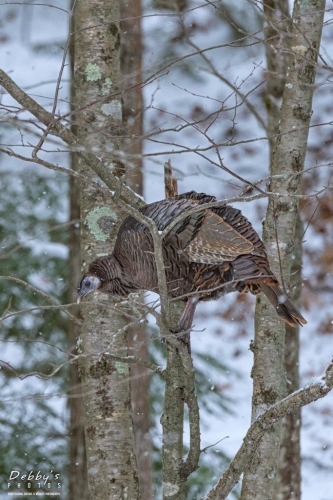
[207, 254]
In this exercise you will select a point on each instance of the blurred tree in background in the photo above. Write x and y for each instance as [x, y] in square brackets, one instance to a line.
[33, 233]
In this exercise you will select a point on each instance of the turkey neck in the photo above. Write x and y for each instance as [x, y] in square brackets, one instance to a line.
[115, 279]
[134, 251]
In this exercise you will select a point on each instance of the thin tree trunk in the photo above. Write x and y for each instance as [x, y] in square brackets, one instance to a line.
[277, 35]
[77, 470]
[131, 55]
[179, 389]
[131, 68]
[172, 422]
[288, 480]
[279, 236]
[172, 419]
[108, 421]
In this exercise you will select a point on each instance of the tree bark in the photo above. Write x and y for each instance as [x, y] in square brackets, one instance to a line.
[131, 69]
[77, 470]
[179, 389]
[172, 422]
[277, 36]
[288, 480]
[131, 56]
[279, 236]
[108, 420]
[277, 26]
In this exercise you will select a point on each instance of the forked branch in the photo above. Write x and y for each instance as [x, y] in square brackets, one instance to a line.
[252, 439]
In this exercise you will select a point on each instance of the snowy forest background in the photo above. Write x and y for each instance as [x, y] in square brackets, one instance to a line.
[178, 108]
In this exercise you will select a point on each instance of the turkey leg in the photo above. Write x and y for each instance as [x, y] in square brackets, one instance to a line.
[186, 319]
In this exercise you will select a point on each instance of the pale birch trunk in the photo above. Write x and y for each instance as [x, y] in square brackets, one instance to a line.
[277, 35]
[279, 236]
[288, 480]
[108, 421]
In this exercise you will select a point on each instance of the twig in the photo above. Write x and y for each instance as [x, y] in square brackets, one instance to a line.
[124, 359]
[30, 309]
[42, 294]
[55, 100]
[105, 174]
[212, 445]
[249, 105]
[40, 341]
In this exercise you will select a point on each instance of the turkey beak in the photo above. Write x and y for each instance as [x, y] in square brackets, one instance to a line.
[80, 294]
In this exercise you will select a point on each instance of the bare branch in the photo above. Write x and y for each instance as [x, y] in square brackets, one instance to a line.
[7, 315]
[42, 294]
[235, 89]
[105, 174]
[253, 437]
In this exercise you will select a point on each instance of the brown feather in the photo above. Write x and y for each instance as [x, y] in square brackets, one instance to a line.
[207, 254]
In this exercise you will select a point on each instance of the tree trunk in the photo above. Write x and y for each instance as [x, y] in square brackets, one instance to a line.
[77, 470]
[279, 236]
[131, 62]
[288, 480]
[108, 421]
[173, 427]
[131, 55]
[277, 35]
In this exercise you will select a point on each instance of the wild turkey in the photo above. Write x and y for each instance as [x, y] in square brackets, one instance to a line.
[207, 254]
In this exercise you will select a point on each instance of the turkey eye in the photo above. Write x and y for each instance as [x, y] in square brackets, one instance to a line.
[87, 283]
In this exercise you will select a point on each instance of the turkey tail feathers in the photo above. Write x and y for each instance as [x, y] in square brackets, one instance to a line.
[283, 306]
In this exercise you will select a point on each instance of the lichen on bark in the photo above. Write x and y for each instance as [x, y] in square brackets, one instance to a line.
[108, 419]
[288, 154]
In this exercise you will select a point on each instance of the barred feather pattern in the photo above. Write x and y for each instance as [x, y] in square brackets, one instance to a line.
[207, 254]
